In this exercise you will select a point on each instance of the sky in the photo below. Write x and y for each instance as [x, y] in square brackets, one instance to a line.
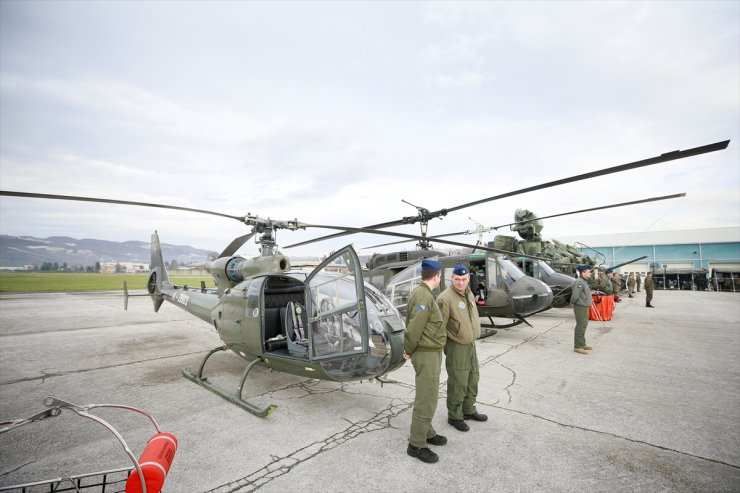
[334, 112]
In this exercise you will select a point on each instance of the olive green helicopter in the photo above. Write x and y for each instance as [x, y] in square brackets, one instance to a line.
[327, 324]
[550, 261]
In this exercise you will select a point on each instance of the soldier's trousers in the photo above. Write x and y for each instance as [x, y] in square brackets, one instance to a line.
[461, 362]
[648, 297]
[427, 365]
[581, 313]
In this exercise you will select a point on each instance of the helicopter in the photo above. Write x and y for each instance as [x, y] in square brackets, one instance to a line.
[323, 324]
[557, 268]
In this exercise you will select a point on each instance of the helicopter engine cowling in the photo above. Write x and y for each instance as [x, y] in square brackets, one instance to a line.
[233, 270]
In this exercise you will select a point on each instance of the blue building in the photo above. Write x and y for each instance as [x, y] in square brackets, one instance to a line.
[678, 259]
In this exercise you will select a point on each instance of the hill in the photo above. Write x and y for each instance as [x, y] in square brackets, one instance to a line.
[17, 251]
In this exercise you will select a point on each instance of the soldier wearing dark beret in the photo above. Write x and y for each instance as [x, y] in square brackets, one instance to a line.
[460, 318]
[424, 340]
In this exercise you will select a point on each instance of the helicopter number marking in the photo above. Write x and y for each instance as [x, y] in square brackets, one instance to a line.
[309, 369]
[256, 312]
[181, 298]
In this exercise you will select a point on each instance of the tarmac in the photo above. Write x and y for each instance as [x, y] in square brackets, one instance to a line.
[654, 407]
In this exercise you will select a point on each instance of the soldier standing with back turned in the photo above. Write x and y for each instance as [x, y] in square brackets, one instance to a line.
[424, 340]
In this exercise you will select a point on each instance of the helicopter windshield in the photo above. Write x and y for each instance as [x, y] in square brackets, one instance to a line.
[400, 286]
[546, 268]
[508, 271]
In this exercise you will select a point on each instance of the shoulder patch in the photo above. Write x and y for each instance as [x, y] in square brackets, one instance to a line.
[422, 308]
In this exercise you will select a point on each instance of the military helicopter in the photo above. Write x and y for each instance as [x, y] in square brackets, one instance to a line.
[554, 262]
[322, 324]
[505, 291]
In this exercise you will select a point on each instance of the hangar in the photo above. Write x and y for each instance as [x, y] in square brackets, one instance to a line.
[684, 259]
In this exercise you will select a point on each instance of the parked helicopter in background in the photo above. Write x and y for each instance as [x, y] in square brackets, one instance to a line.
[321, 324]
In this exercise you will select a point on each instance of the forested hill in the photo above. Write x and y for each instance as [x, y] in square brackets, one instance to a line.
[17, 251]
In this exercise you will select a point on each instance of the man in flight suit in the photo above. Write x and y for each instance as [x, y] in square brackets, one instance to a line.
[424, 340]
[581, 300]
[460, 317]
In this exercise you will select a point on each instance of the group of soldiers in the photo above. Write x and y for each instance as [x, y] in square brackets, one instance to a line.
[450, 324]
[610, 283]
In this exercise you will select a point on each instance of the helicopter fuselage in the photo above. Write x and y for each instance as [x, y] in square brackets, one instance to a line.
[501, 288]
[256, 319]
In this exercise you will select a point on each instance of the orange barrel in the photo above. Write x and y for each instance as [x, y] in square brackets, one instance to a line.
[155, 462]
[609, 306]
[594, 311]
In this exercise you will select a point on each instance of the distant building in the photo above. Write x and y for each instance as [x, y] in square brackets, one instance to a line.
[123, 268]
[676, 258]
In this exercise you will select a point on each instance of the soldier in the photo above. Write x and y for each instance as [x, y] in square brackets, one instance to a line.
[638, 279]
[581, 300]
[649, 286]
[616, 284]
[460, 318]
[424, 340]
[631, 284]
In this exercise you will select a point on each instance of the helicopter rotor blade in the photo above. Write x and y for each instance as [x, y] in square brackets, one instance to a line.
[414, 237]
[469, 232]
[236, 244]
[622, 204]
[114, 201]
[665, 157]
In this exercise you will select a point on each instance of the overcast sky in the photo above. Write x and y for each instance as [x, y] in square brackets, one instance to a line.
[333, 112]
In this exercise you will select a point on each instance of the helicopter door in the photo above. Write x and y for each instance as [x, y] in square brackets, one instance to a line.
[335, 304]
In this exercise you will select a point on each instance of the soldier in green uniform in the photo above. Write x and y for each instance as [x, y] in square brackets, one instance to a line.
[631, 284]
[638, 280]
[424, 340]
[649, 286]
[460, 317]
[581, 300]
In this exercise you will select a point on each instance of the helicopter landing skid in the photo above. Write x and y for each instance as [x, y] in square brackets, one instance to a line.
[235, 399]
[491, 328]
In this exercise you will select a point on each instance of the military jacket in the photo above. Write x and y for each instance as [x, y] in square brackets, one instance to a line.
[649, 284]
[631, 282]
[459, 315]
[424, 328]
[581, 293]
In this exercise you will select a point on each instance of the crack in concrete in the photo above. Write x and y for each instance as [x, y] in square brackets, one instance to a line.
[280, 466]
[5, 473]
[614, 435]
[86, 370]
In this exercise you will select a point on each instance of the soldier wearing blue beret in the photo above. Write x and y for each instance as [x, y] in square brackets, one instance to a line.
[461, 320]
[423, 342]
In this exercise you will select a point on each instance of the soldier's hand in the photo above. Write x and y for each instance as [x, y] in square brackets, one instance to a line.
[406, 355]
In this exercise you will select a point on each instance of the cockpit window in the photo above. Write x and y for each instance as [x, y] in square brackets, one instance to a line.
[509, 272]
[400, 286]
[546, 268]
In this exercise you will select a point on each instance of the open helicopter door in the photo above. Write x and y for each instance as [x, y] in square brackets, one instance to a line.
[335, 308]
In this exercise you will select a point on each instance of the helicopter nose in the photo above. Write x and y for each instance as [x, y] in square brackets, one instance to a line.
[530, 296]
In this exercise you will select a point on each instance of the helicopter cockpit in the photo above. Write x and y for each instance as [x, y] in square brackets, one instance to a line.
[320, 317]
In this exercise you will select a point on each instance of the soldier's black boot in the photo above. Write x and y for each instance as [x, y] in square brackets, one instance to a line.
[423, 454]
